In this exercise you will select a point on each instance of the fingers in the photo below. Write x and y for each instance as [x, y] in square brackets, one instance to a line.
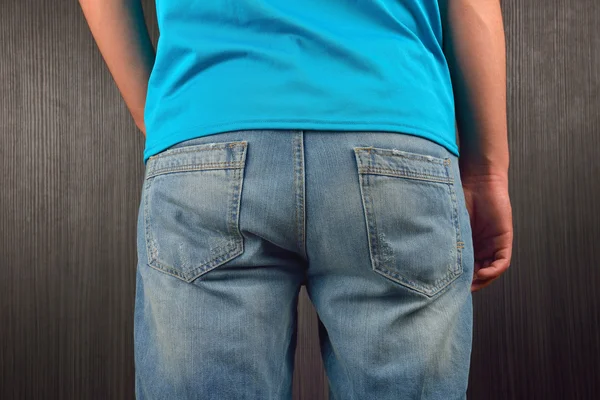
[487, 272]
[482, 282]
[478, 284]
[493, 269]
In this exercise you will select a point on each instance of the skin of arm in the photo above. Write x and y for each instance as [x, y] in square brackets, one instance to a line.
[120, 31]
[474, 45]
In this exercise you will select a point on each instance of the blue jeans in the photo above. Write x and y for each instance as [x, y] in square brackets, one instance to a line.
[374, 224]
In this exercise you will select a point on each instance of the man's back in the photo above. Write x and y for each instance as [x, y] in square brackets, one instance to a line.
[347, 65]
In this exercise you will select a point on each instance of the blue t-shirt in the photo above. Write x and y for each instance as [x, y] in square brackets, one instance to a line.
[348, 65]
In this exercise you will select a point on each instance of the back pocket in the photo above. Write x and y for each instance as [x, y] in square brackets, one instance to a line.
[411, 214]
[191, 208]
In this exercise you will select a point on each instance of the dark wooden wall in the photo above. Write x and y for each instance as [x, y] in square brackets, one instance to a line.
[71, 163]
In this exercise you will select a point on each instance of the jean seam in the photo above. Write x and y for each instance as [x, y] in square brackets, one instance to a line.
[299, 182]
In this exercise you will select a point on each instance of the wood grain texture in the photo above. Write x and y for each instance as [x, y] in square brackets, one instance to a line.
[72, 167]
[72, 176]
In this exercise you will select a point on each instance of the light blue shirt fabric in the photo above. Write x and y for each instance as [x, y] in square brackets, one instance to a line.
[348, 65]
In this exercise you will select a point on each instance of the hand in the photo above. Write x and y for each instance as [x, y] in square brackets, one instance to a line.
[490, 212]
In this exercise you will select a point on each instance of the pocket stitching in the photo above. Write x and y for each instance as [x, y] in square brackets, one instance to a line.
[402, 154]
[405, 174]
[232, 250]
[454, 271]
[197, 147]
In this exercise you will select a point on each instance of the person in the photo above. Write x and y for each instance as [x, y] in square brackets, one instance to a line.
[313, 143]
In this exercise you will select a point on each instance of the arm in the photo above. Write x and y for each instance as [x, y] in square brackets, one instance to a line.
[121, 34]
[474, 45]
[475, 50]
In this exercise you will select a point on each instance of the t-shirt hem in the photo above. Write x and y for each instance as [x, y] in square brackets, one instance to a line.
[205, 130]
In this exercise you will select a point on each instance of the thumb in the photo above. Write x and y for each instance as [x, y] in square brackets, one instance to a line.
[493, 269]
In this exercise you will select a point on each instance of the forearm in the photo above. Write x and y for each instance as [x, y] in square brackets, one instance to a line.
[474, 45]
[121, 34]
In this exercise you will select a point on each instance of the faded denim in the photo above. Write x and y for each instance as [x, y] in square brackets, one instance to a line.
[374, 224]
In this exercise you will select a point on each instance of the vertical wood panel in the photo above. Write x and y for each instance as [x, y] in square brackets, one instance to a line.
[70, 154]
[537, 328]
[72, 167]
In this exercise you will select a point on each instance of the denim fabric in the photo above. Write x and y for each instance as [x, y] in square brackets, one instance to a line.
[374, 224]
